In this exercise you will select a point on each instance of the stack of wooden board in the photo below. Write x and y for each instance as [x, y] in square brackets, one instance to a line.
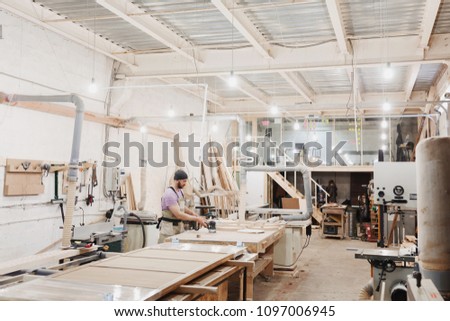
[218, 187]
[145, 274]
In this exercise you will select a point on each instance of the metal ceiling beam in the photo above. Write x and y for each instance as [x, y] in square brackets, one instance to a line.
[212, 98]
[442, 83]
[413, 73]
[338, 25]
[35, 13]
[243, 24]
[248, 89]
[429, 18]
[251, 71]
[149, 25]
[298, 85]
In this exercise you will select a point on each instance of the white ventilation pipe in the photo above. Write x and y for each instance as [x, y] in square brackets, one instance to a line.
[143, 174]
[74, 157]
[433, 219]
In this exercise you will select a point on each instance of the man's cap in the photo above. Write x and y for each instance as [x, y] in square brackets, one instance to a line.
[180, 175]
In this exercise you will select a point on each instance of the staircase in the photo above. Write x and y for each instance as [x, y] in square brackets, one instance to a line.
[293, 192]
[285, 184]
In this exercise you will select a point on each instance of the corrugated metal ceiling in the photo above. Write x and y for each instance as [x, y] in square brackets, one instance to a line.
[196, 21]
[290, 23]
[271, 84]
[427, 76]
[101, 21]
[328, 81]
[300, 23]
[378, 18]
[442, 24]
[374, 79]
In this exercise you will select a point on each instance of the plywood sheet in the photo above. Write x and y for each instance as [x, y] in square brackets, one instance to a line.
[140, 263]
[173, 254]
[254, 242]
[112, 276]
[208, 248]
[61, 290]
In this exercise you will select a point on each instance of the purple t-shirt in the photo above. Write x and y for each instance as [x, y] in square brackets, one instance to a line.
[169, 198]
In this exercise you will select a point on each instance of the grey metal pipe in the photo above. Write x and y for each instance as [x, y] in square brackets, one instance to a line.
[74, 157]
[76, 141]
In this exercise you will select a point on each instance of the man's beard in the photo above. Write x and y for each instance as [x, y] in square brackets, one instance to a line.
[179, 185]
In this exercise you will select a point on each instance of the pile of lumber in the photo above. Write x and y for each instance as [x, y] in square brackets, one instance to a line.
[127, 192]
[218, 186]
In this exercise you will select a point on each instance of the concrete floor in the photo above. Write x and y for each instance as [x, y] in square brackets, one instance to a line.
[328, 272]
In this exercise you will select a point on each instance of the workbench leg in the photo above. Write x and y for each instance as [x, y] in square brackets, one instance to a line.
[249, 284]
[268, 270]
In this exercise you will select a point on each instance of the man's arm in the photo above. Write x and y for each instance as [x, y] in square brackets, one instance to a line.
[175, 209]
[190, 212]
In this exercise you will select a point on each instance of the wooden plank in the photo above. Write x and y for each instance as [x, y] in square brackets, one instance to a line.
[391, 232]
[196, 289]
[227, 249]
[66, 111]
[255, 243]
[127, 277]
[180, 265]
[39, 260]
[167, 254]
[49, 289]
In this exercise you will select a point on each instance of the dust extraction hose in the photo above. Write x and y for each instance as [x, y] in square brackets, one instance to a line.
[74, 157]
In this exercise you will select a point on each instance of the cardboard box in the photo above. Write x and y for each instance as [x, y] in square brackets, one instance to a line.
[290, 203]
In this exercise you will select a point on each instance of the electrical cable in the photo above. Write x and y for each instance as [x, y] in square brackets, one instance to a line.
[143, 228]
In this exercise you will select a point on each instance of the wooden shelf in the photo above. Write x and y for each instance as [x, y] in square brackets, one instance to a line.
[333, 222]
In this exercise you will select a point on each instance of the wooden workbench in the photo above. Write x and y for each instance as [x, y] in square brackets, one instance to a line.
[257, 241]
[145, 274]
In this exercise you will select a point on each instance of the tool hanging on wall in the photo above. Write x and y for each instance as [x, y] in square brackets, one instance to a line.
[90, 198]
[56, 199]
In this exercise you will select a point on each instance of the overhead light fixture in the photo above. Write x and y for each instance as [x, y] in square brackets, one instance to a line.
[388, 72]
[296, 126]
[214, 127]
[384, 148]
[143, 129]
[384, 123]
[232, 79]
[383, 136]
[93, 87]
[171, 112]
[386, 106]
[314, 137]
[248, 137]
[274, 109]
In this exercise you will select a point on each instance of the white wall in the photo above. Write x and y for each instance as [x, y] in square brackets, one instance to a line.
[36, 61]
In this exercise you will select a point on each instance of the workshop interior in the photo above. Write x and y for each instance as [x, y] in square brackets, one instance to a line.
[314, 136]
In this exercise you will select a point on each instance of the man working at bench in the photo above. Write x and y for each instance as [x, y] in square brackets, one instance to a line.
[174, 211]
